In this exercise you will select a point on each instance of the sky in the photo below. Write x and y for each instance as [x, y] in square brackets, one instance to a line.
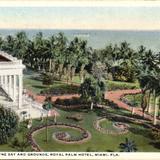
[115, 18]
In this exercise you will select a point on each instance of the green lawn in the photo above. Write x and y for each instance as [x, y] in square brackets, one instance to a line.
[136, 99]
[118, 85]
[6, 148]
[35, 85]
[33, 82]
[99, 141]
[107, 124]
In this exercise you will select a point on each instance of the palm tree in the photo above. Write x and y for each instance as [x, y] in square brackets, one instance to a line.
[51, 54]
[38, 45]
[60, 52]
[8, 44]
[145, 81]
[128, 146]
[71, 59]
[92, 90]
[20, 45]
[30, 56]
[47, 106]
[1, 43]
[155, 84]
[83, 57]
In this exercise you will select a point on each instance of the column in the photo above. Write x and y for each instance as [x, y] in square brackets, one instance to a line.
[14, 87]
[20, 91]
[1, 79]
[5, 82]
[10, 86]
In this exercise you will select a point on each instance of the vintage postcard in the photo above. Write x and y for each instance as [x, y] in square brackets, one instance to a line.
[80, 80]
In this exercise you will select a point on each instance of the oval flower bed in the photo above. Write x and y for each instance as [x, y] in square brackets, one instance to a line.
[115, 128]
[85, 135]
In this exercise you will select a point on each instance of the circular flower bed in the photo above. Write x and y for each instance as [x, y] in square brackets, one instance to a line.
[116, 128]
[121, 126]
[60, 136]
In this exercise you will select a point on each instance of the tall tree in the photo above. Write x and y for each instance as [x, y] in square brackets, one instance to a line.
[60, 52]
[92, 91]
[8, 124]
[20, 45]
[47, 106]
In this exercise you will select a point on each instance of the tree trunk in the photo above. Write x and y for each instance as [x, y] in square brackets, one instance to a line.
[55, 118]
[91, 105]
[50, 65]
[143, 114]
[53, 67]
[47, 127]
[68, 73]
[149, 103]
[159, 108]
[60, 71]
[156, 110]
[72, 73]
[132, 110]
[144, 103]
[81, 73]
[82, 79]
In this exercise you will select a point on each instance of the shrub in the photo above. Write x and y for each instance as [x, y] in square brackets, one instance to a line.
[76, 117]
[68, 102]
[47, 78]
[8, 124]
[156, 135]
[61, 90]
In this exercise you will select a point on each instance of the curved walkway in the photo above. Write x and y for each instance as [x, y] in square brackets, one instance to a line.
[115, 97]
[111, 96]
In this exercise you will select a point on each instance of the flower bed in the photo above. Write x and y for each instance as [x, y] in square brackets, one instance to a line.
[62, 135]
[74, 103]
[119, 130]
[80, 106]
[85, 135]
[121, 126]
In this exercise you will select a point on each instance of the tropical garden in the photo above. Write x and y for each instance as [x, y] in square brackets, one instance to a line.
[57, 66]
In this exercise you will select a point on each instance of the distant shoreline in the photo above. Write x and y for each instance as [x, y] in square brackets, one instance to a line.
[99, 38]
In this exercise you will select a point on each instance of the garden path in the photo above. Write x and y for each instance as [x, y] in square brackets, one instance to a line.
[115, 97]
[112, 96]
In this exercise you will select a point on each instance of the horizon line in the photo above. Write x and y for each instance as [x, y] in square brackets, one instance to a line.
[103, 29]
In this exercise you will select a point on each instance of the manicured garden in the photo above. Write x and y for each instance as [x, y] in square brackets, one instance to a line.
[64, 67]
[99, 141]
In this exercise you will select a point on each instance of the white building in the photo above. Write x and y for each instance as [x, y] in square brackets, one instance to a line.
[11, 78]
[11, 88]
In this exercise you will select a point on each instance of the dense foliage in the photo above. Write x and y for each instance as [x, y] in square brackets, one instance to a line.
[92, 90]
[58, 58]
[63, 58]
[8, 124]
